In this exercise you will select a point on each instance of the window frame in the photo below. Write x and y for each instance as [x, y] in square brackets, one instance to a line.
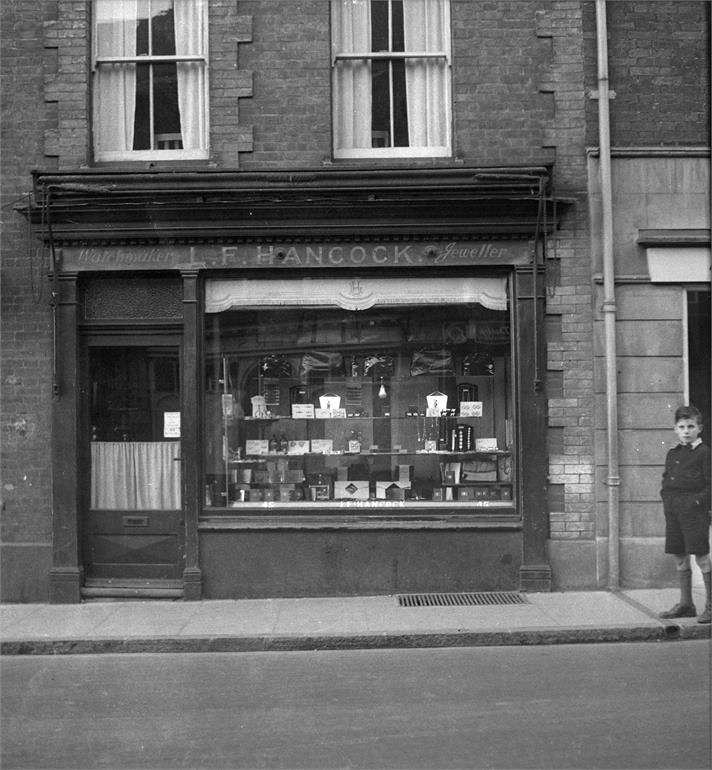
[156, 155]
[317, 512]
[430, 151]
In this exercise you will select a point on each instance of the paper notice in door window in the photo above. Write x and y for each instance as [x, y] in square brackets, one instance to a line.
[171, 425]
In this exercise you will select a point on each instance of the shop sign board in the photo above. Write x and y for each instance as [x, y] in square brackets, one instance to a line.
[297, 255]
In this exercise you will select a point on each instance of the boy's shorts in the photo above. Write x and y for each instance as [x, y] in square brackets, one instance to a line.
[687, 525]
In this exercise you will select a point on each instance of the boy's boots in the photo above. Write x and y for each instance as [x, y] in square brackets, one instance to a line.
[706, 615]
[684, 608]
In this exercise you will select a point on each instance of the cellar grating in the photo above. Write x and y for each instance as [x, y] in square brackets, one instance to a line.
[469, 599]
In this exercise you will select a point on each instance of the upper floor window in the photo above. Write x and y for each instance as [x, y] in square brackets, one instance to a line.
[150, 79]
[391, 78]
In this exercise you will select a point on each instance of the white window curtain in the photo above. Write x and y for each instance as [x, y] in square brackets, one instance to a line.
[426, 28]
[351, 25]
[135, 475]
[189, 17]
[115, 95]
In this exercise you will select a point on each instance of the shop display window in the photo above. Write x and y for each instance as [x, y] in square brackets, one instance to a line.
[358, 396]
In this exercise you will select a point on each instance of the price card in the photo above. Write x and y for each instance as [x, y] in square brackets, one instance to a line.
[303, 411]
[322, 446]
[256, 447]
[470, 408]
[329, 414]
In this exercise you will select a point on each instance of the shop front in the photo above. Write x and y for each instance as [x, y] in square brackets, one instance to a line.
[303, 402]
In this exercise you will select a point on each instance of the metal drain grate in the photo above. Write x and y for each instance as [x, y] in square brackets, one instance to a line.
[478, 599]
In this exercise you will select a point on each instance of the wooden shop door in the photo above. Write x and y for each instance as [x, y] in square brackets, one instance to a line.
[134, 528]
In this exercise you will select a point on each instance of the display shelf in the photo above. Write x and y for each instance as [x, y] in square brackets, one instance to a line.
[408, 417]
[384, 453]
[376, 505]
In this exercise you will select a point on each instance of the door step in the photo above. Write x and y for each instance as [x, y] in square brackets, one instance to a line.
[95, 589]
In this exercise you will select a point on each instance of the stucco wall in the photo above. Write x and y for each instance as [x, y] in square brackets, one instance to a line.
[649, 192]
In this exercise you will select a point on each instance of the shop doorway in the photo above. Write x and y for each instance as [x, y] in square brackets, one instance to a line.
[134, 529]
[699, 348]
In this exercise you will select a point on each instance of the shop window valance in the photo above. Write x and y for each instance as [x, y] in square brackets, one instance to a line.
[355, 293]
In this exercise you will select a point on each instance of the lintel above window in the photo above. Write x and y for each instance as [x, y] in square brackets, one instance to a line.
[677, 255]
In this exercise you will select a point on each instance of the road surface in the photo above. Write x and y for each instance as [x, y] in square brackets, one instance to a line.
[623, 705]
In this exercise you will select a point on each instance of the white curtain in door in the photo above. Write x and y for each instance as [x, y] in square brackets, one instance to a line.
[135, 475]
[115, 94]
[426, 28]
[190, 32]
[351, 25]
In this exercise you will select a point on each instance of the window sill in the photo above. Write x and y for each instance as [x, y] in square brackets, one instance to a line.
[449, 161]
[394, 154]
[153, 165]
[152, 156]
[255, 517]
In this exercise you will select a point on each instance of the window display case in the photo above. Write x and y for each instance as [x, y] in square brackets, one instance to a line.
[389, 407]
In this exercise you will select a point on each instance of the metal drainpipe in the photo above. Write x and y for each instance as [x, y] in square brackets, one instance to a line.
[609, 298]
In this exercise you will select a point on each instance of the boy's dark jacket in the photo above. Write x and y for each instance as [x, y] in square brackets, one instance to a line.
[687, 470]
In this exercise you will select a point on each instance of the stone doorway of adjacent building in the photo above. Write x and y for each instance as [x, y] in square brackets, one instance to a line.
[699, 360]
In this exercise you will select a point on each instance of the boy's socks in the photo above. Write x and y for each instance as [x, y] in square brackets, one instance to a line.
[686, 587]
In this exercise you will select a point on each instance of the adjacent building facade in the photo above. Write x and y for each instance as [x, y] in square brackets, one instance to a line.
[316, 298]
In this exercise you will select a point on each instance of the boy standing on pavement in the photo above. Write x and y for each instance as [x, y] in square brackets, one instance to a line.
[686, 504]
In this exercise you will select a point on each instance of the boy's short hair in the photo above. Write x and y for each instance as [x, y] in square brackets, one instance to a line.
[688, 413]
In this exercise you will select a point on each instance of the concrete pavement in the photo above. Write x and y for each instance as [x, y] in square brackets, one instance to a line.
[340, 623]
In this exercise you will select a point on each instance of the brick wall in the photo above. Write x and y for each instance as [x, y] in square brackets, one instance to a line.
[289, 112]
[503, 81]
[25, 387]
[659, 68]
[517, 86]
[570, 441]
[518, 98]
[503, 94]
[66, 65]
[66, 62]
[571, 405]
[227, 29]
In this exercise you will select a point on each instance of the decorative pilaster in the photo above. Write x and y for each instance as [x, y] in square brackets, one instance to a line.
[535, 572]
[66, 575]
[191, 388]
